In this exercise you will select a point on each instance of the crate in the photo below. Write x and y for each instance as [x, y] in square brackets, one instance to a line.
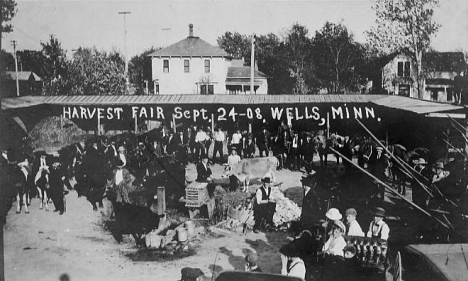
[196, 194]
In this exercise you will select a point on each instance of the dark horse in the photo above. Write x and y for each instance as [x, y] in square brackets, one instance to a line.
[14, 183]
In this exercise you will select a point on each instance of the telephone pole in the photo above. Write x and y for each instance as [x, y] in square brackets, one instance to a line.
[125, 50]
[13, 43]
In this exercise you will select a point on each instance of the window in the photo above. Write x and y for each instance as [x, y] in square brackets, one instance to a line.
[166, 66]
[449, 94]
[157, 89]
[207, 66]
[207, 89]
[404, 90]
[404, 69]
[186, 66]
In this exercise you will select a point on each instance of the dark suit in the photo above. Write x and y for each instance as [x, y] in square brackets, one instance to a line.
[173, 144]
[310, 210]
[203, 173]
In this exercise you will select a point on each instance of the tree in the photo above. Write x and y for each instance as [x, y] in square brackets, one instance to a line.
[7, 12]
[337, 57]
[7, 61]
[31, 60]
[405, 25]
[139, 69]
[94, 72]
[54, 68]
[297, 46]
[235, 44]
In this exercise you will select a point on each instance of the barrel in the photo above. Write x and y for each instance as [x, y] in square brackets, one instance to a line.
[190, 225]
[182, 234]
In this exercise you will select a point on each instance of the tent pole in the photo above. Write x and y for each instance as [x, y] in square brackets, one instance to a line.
[98, 125]
[136, 124]
[174, 123]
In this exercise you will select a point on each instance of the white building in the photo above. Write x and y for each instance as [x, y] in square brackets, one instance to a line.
[193, 66]
[399, 75]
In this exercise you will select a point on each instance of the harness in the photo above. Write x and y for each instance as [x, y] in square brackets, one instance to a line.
[291, 266]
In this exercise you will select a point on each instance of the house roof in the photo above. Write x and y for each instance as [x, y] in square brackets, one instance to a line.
[446, 61]
[22, 75]
[190, 47]
[397, 102]
[243, 72]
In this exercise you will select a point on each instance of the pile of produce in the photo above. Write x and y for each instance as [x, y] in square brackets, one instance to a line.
[53, 133]
[240, 216]
[286, 210]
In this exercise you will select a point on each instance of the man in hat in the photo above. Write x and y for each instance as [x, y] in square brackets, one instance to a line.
[378, 228]
[57, 190]
[291, 263]
[352, 226]
[440, 173]
[203, 170]
[420, 195]
[252, 263]
[249, 146]
[120, 182]
[236, 141]
[263, 142]
[219, 138]
[310, 214]
[265, 206]
[233, 160]
[121, 155]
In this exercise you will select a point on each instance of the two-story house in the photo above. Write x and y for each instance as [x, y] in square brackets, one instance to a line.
[399, 75]
[193, 66]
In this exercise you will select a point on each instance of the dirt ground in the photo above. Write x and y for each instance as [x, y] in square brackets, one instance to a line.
[44, 245]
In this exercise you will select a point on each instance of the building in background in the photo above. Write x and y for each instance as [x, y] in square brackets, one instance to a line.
[399, 75]
[30, 84]
[193, 66]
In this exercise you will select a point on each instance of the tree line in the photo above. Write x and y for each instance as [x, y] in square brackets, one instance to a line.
[328, 61]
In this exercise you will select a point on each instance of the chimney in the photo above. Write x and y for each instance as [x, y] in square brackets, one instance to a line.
[190, 30]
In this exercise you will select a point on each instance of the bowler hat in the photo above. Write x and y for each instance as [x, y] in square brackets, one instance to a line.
[251, 258]
[351, 211]
[378, 212]
[333, 214]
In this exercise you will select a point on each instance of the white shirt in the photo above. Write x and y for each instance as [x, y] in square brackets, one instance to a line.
[297, 269]
[233, 160]
[118, 176]
[355, 229]
[122, 157]
[5, 156]
[335, 246]
[219, 136]
[201, 136]
[236, 137]
[374, 228]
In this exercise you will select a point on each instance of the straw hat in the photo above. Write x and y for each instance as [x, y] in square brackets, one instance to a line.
[340, 224]
[333, 214]
[439, 165]
[422, 161]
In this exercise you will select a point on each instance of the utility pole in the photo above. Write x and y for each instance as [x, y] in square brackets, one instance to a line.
[166, 30]
[125, 50]
[252, 66]
[13, 43]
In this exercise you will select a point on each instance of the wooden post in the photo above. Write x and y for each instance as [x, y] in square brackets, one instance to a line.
[174, 123]
[328, 125]
[98, 125]
[136, 124]
[212, 124]
[161, 200]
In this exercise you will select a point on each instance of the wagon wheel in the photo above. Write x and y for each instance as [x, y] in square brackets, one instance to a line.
[397, 268]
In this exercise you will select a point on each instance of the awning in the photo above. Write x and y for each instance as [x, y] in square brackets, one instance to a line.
[416, 105]
[242, 81]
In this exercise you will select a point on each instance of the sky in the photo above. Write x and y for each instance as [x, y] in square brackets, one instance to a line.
[160, 23]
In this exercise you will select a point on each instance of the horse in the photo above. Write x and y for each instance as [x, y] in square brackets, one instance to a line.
[41, 182]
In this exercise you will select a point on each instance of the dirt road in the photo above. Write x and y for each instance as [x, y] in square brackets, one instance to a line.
[44, 245]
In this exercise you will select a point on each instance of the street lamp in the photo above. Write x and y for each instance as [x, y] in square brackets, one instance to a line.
[125, 50]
